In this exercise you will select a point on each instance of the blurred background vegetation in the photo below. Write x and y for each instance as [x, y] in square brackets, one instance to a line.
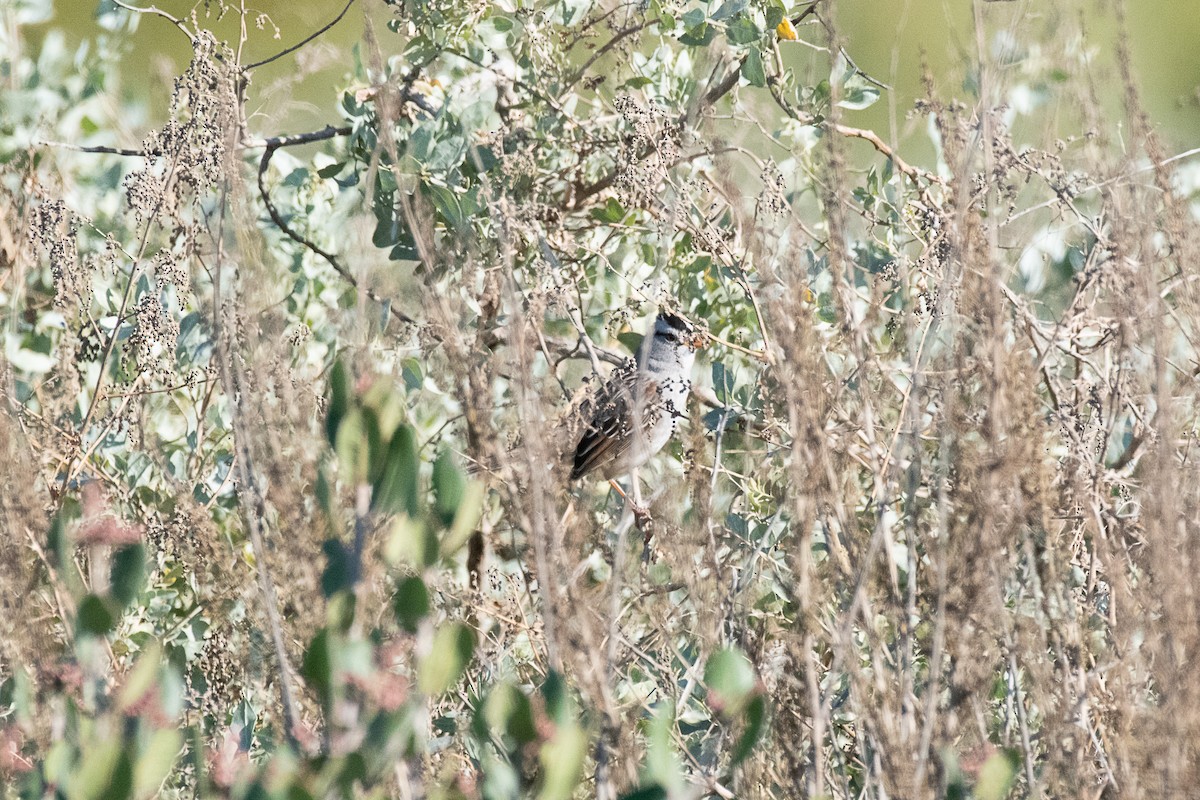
[893, 42]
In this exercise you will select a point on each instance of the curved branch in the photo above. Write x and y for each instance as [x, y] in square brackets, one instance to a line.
[303, 41]
[915, 173]
[715, 92]
[156, 11]
[103, 149]
[574, 77]
[291, 140]
[295, 236]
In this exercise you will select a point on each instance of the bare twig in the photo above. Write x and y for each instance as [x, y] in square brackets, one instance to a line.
[915, 173]
[295, 236]
[305, 40]
[156, 11]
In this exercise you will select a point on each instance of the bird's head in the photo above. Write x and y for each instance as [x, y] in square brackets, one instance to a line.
[673, 330]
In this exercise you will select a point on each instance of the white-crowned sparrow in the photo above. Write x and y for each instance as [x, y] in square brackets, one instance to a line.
[636, 411]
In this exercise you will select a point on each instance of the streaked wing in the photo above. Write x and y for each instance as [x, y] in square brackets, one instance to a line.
[609, 432]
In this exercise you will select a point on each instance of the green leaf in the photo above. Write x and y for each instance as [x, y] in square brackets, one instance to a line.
[325, 495]
[699, 36]
[385, 727]
[388, 230]
[339, 610]
[997, 774]
[612, 212]
[955, 780]
[388, 405]
[317, 667]
[297, 177]
[128, 573]
[559, 707]
[662, 761]
[396, 489]
[156, 760]
[859, 97]
[752, 69]
[449, 485]
[722, 381]
[331, 170]
[446, 203]
[466, 519]
[413, 374]
[142, 679]
[105, 774]
[339, 399]
[349, 770]
[60, 762]
[17, 693]
[376, 457]
[730, 679]
[650, 792]
[508, 712]
[755, 719]
[729, 8]
[95, 618]
[353, 657]
[500, 23]
[495, 33]
[856, 91]
[632, 341]
[562, 762]
[742, 30]
[420, 50]
[411, 603]
[353, 445]
[826, 310]
[441, 668]
[337, 574]
[411, 542]
[447, 154]
[59, 537]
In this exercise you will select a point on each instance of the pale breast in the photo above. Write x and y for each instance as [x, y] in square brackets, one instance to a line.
[655, 429]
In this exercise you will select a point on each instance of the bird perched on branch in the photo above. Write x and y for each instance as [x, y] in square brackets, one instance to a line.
[636, 411]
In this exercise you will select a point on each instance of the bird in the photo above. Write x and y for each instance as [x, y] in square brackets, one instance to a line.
[636, 411]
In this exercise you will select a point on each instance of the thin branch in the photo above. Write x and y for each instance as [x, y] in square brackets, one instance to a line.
[155, 10]
[574, 77]
[277, 218]
[102, 149]
[291, 140]
[1147, 168]
[727, 83]
[714, 93]
[110, 342]
[304, 41]
[249, 494]
[915, 173]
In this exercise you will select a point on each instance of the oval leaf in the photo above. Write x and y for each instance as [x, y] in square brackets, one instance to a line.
[452, 647]
[411, 603]
[396, 488]
[730, 679]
